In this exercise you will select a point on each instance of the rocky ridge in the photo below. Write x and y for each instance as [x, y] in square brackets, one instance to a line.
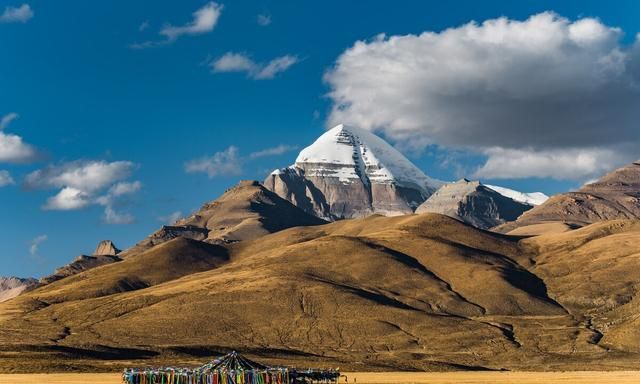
[473, 203]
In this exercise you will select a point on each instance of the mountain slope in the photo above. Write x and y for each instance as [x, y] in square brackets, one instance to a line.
[349, 172]
[473, 203]
[592, 272]
[246, 211]
[173, 259]
[614, 196]
[392, 292]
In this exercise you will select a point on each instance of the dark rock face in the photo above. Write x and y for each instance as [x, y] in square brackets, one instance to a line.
[614, 196]
[350, 173]
[473, 203]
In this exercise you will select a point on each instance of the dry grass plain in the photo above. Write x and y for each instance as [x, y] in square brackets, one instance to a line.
[380, 378]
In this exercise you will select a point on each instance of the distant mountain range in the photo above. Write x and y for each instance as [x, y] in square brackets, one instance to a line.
[352, 257]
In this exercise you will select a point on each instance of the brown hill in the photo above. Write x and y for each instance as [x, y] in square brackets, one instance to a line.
[171, 260]
[593, 273]
[614, 196]
[409, 292]
[244, 212]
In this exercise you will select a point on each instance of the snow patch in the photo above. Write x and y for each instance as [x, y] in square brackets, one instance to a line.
[532, 198]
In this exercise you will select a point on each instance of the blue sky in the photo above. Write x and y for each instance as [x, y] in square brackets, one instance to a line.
[93, 83]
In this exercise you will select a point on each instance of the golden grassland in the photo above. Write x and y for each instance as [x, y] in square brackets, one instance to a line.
[378, 378]
[405, 293]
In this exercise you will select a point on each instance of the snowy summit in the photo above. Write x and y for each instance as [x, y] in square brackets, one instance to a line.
[355, 153]
[350, 172]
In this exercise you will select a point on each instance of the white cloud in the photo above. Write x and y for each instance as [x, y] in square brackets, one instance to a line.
[234, 62]
[581, 164]
[88, 176]
[69, 198]
[22, 14]
[204, 20]
[535, 86]
[6, 179]
[275, 66]
[118, 190]
[171, 218]
[125, 188]
[111, 216]
[117, 218]
[12, 148]
[34, 244]
[7, 119]
[82, 182]
[274, 151]
[239, 62]
[227, 162]
[263, 20]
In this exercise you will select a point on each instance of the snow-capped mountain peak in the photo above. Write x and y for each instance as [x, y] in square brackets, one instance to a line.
[350, 172]
[350, 153]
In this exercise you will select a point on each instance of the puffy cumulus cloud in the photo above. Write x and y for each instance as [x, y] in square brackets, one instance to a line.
[239, 62]
[227, 162]
[233, 62]
[20, 14]
[87, 176]
[532, 89]
[6, 179]
[87, 183]
[12, 148]
[204, 20]
[580, 163]
[69, 198]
